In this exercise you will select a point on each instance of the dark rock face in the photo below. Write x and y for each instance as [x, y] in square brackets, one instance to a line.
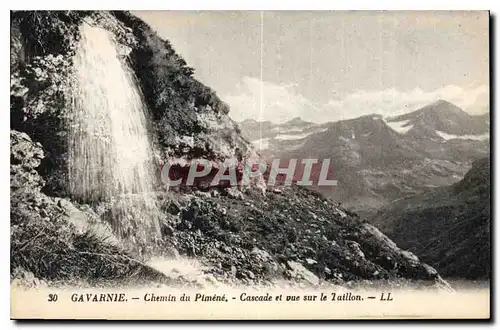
[25, 157]
[184, 111]
[44, 241]
[448, 227]
[41, 50]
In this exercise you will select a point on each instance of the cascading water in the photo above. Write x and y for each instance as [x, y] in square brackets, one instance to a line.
[110, 155]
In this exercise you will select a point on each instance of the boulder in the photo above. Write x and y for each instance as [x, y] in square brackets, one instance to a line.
[173, 208]
[299, 273]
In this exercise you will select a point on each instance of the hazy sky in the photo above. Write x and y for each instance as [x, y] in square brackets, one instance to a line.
[333, 65]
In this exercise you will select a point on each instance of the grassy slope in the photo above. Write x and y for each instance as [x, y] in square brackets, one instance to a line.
[449, 227]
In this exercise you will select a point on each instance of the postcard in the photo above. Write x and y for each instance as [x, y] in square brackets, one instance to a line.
[250, 165]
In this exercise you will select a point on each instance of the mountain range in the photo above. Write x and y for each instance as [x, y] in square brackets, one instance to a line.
[376, 159]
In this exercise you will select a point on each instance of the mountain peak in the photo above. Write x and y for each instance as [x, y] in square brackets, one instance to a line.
[440, 108]
[444, 106]
[248, 121]
[437, 110]
[295, 120]
[443, 116]
[442, 102]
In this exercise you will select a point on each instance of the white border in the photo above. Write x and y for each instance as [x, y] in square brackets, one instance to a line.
[258, 5]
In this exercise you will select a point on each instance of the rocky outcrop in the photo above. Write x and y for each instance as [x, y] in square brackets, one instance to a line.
[186, 114]
[296, 235]
[46, 242]
[25, 157]
[183, 113]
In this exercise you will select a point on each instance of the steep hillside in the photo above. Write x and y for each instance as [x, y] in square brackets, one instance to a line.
[293, 233]
[241, 235]
[449, 227]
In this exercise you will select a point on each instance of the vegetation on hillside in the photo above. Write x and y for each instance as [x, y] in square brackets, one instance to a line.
[173, 95]
[448, 227]
[45, 243]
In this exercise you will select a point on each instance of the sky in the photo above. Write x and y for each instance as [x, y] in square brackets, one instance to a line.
[332, 65]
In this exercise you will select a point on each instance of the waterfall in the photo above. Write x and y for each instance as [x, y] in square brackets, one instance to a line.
[110, 155]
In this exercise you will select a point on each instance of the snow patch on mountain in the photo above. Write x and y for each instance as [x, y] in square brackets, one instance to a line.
[477, 137]
[279, 129]
[261, 144]
[297, 136]
[292, 136]
[401, 127]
